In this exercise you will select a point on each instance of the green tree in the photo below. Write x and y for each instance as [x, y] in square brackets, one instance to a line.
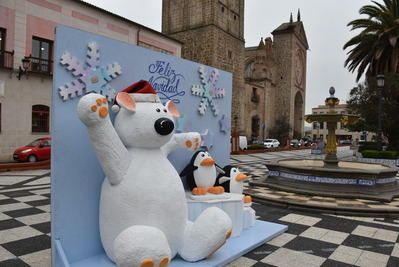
[363, 101]
[281, 130]
[375, 50]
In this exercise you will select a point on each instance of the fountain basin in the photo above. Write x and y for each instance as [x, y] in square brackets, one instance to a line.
[347, 179]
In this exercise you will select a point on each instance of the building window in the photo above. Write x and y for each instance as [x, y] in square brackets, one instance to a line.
[321, 125]
[230, 54]
[315, 125]
[6, 57]
[40, 119]
[41, 59]
[2, 39]
[222, 9]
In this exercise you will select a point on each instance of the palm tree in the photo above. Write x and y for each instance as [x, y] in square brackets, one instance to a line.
[376, 48]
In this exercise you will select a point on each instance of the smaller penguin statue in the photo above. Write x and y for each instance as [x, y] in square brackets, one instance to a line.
[201, 174]
[232, 181]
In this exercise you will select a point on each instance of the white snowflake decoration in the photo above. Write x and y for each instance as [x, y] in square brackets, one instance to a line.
[208, 91]
[90, 78]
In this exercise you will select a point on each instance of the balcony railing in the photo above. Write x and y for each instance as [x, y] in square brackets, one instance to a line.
[39, 65]
[6, 59]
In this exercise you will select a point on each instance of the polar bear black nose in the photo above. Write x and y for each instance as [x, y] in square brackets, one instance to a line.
[164, 126]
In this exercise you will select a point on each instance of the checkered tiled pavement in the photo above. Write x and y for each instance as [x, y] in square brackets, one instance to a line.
[325, 240]
[25, 218]
[312, 239]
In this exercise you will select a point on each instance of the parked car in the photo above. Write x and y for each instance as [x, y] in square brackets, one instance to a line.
[345, 142]
[40, 149]
[295, 143]
[269, 143]
[306, 141]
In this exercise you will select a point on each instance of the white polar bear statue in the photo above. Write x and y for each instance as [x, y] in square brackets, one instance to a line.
[143, 209]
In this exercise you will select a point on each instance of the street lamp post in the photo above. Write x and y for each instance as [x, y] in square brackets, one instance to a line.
[380, 84]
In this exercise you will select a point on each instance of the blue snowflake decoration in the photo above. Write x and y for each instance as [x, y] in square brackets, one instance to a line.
[207, 139]
[224, 124]
[208, 91]
[90, 78]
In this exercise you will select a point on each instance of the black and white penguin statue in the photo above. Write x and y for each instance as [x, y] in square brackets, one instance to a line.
[201, 174]
[232, 181]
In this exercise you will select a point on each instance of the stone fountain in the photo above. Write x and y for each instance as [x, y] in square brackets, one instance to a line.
[331, 177]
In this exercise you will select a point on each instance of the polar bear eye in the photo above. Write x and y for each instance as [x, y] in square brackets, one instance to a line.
[158, 110]
[164, 110]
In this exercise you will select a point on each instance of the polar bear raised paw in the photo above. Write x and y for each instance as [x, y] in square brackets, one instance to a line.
[92, 109]
[190, 140]
[141, 246]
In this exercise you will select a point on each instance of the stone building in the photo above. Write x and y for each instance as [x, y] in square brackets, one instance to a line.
[275, 82]
[212, 33]
[27, 35]
[269, 81]
[319, 130]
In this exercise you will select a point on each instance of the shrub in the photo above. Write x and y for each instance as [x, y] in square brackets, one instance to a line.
[377, 154]
[368, 146]
[255, 146]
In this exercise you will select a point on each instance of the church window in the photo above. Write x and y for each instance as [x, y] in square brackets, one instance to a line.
[230, 54]
[222, 9]
[255, 96]
[235, 17]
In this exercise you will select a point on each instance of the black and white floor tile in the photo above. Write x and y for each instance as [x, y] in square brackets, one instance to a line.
[324, 240]
[25, 218]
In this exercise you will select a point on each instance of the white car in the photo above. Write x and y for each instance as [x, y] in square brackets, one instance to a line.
[269, 143]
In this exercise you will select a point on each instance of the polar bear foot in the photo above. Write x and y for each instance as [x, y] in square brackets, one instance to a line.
[206, 235]
[141, 246]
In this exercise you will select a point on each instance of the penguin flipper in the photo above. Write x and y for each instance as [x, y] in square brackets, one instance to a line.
[223, 179]
[219, 169]
[187, 170]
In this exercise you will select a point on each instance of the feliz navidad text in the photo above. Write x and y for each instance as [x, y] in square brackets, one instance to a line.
[166, 80]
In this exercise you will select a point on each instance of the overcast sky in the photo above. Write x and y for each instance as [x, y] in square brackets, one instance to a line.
[325, 25]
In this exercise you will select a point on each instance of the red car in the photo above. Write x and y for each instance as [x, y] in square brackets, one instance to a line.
[40, 149]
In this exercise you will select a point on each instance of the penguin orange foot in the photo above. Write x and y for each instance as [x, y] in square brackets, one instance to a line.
[247, 199]
[199, 191]
[216, 190]
[147, 263]
[164, 262]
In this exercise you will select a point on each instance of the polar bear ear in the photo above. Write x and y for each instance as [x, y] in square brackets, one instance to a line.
[172, 109]
[126, 101]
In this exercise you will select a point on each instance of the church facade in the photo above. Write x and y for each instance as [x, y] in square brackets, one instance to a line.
[275, 84]
[269, 81]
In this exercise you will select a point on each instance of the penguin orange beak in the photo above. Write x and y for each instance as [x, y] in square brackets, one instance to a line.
[241, 177]
[207, 162]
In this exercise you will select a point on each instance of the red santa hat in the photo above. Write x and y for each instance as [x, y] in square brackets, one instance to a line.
[143, 92]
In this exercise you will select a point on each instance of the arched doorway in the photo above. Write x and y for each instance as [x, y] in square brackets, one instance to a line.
[298, 115]
[255, 126]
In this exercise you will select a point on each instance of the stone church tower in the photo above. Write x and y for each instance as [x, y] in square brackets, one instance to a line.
[213, 34]
[290, 46]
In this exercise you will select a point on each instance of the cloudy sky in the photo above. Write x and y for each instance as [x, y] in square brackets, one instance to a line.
[325, 25]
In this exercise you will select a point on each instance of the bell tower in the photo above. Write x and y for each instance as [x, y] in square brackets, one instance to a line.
[212, 32]
[290, 47]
